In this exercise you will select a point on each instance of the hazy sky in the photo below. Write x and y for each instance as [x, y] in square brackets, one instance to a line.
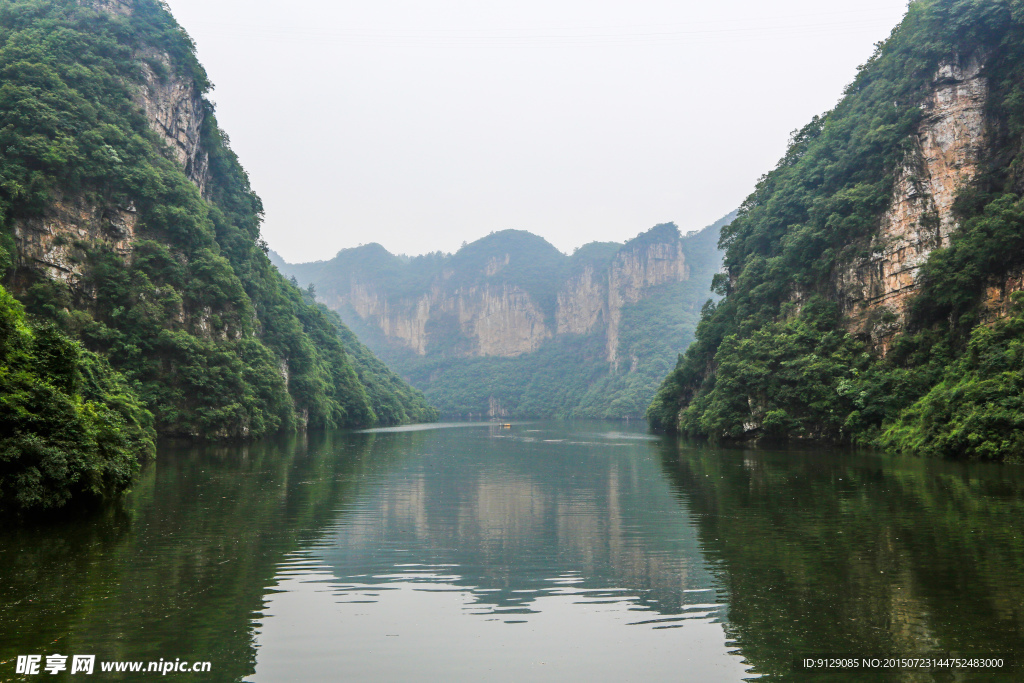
[421, 125]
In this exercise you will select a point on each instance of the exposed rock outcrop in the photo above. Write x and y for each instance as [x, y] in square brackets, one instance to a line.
[407, 324]
[582, 302]
[121, 7]
[588, 300]
[175, 109]
[500, 320]
[496, 317]
[635, 271]
[998, 303]
[505, 321]
[50, 243]
[176, 112]
[944, 156]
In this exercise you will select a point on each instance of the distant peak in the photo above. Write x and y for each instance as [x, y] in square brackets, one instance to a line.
[519, 244]
[511, 237]
[663, 233]
[276, 259]
[372, 247]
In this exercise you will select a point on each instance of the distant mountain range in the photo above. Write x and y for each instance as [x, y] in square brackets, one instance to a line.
[509, 326]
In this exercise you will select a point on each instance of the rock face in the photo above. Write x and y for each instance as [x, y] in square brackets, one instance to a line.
[175, 110]
[501, 319]
[48, 244]
[121, 7]
[582, 303]
[504, 322]
[633, 273]
[492, 316]
[874, 291]
[589, 300]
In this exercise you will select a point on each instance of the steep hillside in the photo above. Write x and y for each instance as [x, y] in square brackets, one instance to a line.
[509, 326]
[868, 294]
[70, 426]
[128, 224]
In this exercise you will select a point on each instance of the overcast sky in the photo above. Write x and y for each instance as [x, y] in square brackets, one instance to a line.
[421, 125]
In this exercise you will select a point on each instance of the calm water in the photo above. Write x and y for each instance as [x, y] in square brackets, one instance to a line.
[561, 552]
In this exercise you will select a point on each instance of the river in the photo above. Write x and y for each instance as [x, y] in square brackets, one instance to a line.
[583, 551]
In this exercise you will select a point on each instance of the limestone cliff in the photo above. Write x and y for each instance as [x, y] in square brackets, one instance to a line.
[174, 107]
[633, 273]
[128, 224]
[867, 272]
[511, 327]
[587, 301]
[502, 320]
[492, 315]
[48, 244]
[171, 100]
[582, 302]
[942, 158]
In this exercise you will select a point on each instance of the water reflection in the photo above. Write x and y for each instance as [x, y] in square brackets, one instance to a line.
[539, 552]
[180, 569]
[516, 522]
[843, 553]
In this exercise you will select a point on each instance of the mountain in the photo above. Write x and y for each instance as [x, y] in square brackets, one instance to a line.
[131, 238]
[870, 279]
[511, 327]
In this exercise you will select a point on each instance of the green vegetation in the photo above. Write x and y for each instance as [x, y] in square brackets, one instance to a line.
[569, 374]
[783, 377]
[393, 401]
[70, 426]
[771, 360]
[183, 301]
[977, 409]
[549, 382]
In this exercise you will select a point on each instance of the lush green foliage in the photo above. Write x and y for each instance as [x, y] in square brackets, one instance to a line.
[70, 426]
[977, 409]
[815, 212]
[219, 343]
[782, 379]
[393, 401]
[548, 382]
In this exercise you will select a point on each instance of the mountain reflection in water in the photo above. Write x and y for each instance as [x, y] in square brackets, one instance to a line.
[536, 552]
[543, 551]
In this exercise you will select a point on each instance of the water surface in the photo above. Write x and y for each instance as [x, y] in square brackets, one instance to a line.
[544, 551]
